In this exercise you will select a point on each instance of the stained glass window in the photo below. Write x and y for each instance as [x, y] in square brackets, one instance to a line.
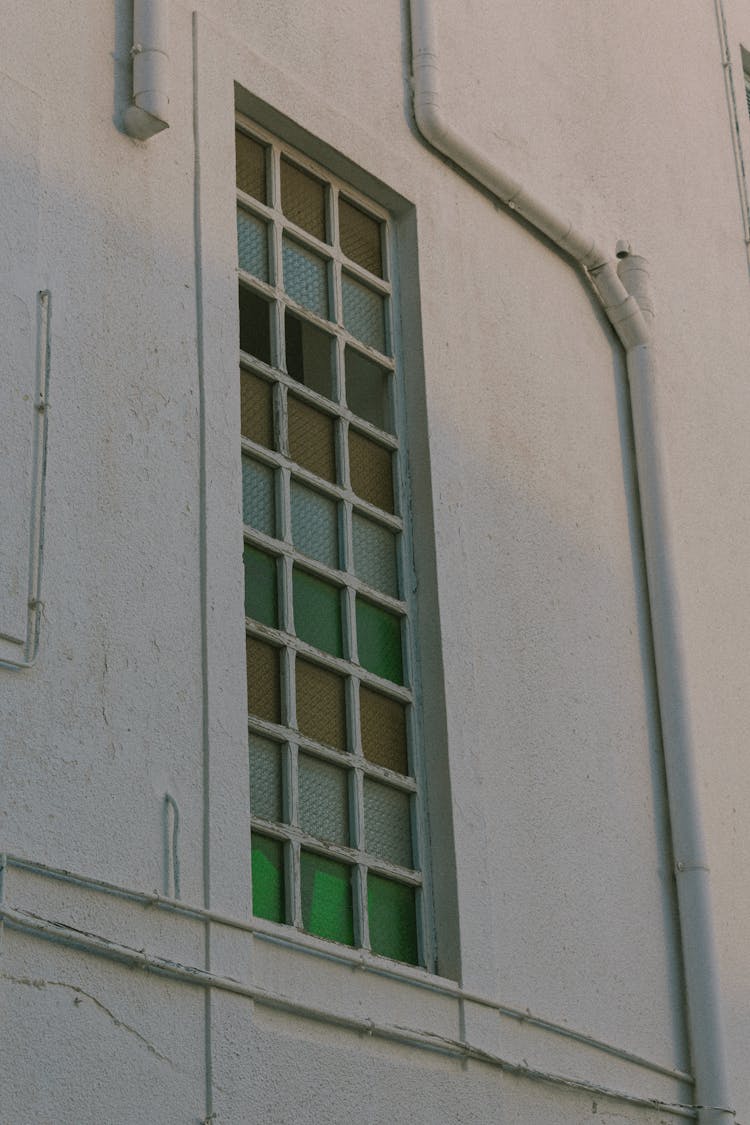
[335, 805]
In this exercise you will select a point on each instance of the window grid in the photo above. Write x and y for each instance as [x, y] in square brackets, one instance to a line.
[351, 589]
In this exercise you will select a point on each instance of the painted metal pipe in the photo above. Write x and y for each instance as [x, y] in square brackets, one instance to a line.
[149, 113]
[625, 297]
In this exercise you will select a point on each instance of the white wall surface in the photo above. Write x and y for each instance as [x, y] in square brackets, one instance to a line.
[616, 115]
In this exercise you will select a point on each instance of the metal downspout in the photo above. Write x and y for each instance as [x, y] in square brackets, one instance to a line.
[623, 293]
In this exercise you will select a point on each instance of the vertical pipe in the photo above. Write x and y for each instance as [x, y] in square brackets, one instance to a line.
[149, 112]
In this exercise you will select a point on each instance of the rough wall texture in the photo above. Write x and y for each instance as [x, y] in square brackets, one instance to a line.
[520, 444]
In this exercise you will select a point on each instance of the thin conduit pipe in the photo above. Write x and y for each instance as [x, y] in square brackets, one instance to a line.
[39, 476]
[351, 959]
[27, 922]
[633, 327]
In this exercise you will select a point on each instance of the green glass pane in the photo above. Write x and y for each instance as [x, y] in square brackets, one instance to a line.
[317, 612]
[258, 500]
[268, 878]
[305, 278]
[364, 313]
[323, 800]
[265, 778]
[255, 325]
[379, 641]
[261, 596]
[367, 389]
[326, 898]
[252, 244]
[309, 355]
[387, 823]
[375, 555]
[392, 916]
[314, 525]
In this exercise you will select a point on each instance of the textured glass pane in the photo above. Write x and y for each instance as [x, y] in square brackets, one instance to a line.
[309, 354]
[375, 554]
[371, 468]
[251, 166]
[303, 199]
[321, 705]
[268, 878]
[258, 500]
[261, 598]
[323, 800]
[265, 778]
[317, 612]
[327, 898]
[391, 911]
[252, 244]
[379, 641]
[306, 278]
[314, 525]
[311, 439]
[383, 724]
[367, 389]
[387, 823]
[263, 680]
[360, 237]
[364, 313]
[256, 409]
[255, 325]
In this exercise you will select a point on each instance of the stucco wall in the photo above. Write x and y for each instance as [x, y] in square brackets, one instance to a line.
[538, 666]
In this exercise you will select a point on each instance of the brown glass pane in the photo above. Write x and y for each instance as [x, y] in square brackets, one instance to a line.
[383, 723]
[251, 166]
[303, 199]
[321, 704]
[255, 325]
[360, 237]
[311, 439]
[263, 680]
[256, 407]
[371, 469]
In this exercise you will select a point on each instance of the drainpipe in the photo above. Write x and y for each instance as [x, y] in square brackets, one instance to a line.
[150, 109]
[623, 291]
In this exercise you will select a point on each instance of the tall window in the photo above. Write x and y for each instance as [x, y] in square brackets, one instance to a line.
[336, 812]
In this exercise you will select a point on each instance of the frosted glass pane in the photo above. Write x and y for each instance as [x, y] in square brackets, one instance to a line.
[387, 823]
[326, 888]
[364, 313]
[383, 723]
[258, 501]
[360, 237]
[303, 199]
[391, 910]
[306, 278]
[268, 878]
[367, 389]
[309, 354]
[323, 800]
[379, 641]
[265, 778]
[375, 555]
[321, 705]
[252, 244]
[261, 597]
[314, 525]
[317, 612]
